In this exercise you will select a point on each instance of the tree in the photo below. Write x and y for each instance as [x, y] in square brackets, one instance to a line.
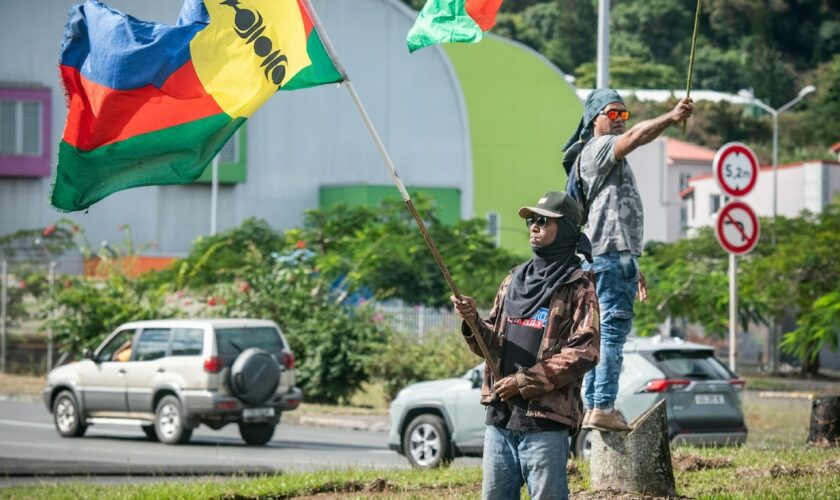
[382, 250]
[824, 105]
[631, 72]
[663, 27]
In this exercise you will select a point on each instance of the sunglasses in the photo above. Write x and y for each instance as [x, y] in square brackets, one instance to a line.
[541, 221]
[614, 114]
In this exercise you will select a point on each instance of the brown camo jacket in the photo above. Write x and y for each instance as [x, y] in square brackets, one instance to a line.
[569, 348]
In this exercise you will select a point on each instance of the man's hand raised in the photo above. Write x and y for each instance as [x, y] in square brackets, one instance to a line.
[682, 111]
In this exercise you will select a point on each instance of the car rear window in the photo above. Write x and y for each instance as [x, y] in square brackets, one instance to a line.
[187, 341]
[694, 365]
[153, 344]
[232, 341]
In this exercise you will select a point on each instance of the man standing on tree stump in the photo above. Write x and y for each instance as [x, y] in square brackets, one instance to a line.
[542, 335]
[599, 149]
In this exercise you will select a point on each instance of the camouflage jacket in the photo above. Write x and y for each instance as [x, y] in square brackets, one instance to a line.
[570, 347]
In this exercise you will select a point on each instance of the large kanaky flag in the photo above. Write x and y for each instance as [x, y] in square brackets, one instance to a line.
[152, 104]
[445, 21]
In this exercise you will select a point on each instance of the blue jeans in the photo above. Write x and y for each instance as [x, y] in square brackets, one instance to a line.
[616, 280]
[514, 458]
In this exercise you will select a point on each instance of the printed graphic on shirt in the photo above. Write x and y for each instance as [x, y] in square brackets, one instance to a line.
[538, 320]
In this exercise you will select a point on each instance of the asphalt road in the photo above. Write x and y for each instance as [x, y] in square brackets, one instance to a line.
[30, 447]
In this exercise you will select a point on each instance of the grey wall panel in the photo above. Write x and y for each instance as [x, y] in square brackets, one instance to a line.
[297, 142]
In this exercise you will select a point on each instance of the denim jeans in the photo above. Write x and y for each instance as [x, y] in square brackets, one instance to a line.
[616, 280]
[514, 458]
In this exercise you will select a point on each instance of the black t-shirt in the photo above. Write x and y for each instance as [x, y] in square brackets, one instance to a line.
[522, 344]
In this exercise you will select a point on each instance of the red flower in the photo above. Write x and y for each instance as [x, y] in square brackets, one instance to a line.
[49, 230]
[211, 301]
[22, 284]
[244, 287]
[301, 244]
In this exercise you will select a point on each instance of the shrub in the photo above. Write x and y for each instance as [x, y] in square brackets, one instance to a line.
[410, 358]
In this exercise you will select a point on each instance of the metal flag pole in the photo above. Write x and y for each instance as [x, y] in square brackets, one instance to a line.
[214, 194]
[4, 279]
[691, 56]
[400, 186]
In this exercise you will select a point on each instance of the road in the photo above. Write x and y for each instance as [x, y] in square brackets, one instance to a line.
[30, 446]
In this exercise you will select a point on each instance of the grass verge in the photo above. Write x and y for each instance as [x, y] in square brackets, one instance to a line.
[699, 473]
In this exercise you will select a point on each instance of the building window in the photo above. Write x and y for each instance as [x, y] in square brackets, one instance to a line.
[684, 177]
[494, 227]
[24, 132]
[714, 203]
[683, 220]
[20, 128]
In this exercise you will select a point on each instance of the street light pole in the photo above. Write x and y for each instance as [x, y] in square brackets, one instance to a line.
[748, 95]
[773, 334]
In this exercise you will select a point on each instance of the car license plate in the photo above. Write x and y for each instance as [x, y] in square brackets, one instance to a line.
[257, 413]
[708, 399]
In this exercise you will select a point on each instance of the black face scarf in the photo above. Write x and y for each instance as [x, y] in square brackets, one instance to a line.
[535, 281]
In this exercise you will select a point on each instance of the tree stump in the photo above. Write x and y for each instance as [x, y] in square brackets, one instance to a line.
[637, 462]
[825, 422]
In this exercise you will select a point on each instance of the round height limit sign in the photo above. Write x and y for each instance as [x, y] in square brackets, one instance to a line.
[736, 169]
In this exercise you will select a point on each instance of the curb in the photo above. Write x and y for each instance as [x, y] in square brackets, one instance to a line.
[786, 394]
[347, 423]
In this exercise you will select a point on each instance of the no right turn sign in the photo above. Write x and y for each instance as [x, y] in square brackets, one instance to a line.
[737, 228]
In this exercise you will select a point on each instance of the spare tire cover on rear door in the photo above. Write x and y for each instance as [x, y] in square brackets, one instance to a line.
[254, 375]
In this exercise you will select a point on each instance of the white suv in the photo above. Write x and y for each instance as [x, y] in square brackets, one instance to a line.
[169, 376]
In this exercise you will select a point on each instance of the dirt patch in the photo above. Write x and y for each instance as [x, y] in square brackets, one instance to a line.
[617, 495]
[379, 487]
[790, 471]
[691, 463]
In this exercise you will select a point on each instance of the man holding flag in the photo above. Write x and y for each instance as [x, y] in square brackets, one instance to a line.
[542, 336]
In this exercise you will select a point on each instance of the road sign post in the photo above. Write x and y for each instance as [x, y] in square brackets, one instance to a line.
[737, 228]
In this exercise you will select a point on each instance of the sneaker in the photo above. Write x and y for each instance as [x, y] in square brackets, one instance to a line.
[586, 417]
[609, 422]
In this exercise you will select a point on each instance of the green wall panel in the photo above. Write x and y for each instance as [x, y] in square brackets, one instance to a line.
[521, 111]
[446, 200]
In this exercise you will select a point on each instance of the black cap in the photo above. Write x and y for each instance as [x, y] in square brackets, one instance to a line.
[555, 204]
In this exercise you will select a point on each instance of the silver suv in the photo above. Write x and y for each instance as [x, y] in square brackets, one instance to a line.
[169, 376]
[433, 422]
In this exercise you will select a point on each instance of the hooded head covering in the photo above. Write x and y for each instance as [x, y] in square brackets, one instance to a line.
[597, 100]
[534, 282]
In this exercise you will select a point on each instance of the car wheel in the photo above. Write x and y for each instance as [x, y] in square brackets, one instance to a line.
[256, 433]
[150, 432]
[426, 442]
[69, 422]
[170, 424]
[583, 444]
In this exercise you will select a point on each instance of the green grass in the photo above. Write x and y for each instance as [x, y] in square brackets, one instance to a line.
[699, 473]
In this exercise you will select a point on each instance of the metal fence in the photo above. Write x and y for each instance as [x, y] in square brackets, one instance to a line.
[20, 351]
[420, 319]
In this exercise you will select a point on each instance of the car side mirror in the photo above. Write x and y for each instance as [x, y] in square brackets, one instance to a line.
[475, 378]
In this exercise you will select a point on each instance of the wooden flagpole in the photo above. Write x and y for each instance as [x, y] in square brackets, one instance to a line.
[691, 57]
[494, 368]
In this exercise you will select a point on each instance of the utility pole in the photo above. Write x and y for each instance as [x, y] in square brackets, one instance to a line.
[603, 58]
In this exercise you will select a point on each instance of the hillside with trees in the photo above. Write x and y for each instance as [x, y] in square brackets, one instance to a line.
[773, 47]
